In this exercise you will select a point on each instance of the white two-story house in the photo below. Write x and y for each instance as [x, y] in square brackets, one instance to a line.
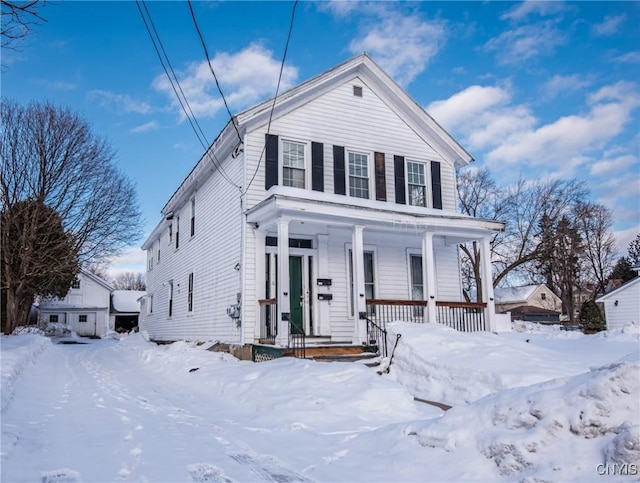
[330, 211]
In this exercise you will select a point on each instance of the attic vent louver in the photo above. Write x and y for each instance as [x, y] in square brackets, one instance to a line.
[357, 91]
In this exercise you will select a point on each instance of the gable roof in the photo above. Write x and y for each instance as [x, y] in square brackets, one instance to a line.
[623, 287]
[508, 295]
[362, 67]
[95, 278]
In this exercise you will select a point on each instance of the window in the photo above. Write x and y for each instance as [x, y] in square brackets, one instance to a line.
[193, 216]
[358, 175]
[369, 278]
[159, 251]
[82, 318]
[293, 164]
[357, 91]
[170, 235]
[416, 183]
[177, 232]
[190, 294]
[150, 259]
[170, 298]
[53, 318]
[76, 283]
[150, 304]
[543, 296]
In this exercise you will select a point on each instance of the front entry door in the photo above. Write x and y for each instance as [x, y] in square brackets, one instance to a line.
[296, 295]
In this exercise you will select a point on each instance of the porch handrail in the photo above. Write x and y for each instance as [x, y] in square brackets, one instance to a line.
[377, 335]
[468, 305]
[415, 303]
[462, 316]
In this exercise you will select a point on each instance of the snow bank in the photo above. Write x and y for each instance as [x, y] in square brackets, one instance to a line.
[287, 392]
[18, 351]
[441, 364]
[558, 430]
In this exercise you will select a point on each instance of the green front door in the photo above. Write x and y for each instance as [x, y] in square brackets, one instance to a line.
[296, 295]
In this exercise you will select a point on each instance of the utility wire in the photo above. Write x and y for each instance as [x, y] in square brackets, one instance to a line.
[206, 54]
[190, 115]
[284, 57]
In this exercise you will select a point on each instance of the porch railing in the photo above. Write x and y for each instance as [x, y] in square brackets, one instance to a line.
[462, 316]
[382, 311]
[268, 320]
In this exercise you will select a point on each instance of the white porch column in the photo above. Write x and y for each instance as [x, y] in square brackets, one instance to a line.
[359, 299]
[487, 283]
[255, 330]
[323, 318]
[429, 276]
[284, 310]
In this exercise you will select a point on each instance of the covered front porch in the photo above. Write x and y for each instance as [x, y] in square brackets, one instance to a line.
[343, 271]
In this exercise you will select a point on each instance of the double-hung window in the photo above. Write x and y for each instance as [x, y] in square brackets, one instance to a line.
[190, 294]
[293, 164]
[369, 278]
[76, 283]
[358, 175]
[417, 183]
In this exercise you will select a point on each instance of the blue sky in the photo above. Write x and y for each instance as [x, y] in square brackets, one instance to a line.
[538, 89]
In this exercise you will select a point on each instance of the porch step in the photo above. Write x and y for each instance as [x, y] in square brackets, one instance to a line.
[365, 356]
[336, 350]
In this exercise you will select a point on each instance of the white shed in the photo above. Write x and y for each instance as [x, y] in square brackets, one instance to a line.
[622, 305]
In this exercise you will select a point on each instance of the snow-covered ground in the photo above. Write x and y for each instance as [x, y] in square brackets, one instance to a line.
[527, 406]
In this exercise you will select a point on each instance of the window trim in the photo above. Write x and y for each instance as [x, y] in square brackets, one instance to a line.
[52, 317]
[414, 252]
[190, 292]
[427, 176]
[307, 162]
[192, 220]
[370, 170]
[81, 316]
[349, 278]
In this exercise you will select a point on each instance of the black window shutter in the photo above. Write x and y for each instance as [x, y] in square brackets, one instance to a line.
[381, 179]
[338, 171]
[398, 169]
[317, 166]
[436, 185]
[271, 161]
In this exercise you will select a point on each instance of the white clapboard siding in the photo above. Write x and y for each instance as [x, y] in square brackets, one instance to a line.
[622, 306]
[211, 255]
[364, 124]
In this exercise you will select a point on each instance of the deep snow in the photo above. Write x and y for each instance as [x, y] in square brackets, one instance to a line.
[530, 405]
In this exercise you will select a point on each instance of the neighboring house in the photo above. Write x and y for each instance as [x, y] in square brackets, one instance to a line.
[622, 305]
[336, 206]
[125, 310]
[525, 299]
[85, 308]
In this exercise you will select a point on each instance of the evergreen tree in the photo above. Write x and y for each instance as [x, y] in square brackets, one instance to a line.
[591, 318]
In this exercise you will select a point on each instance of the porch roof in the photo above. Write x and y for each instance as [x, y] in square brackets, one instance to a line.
[323, 208]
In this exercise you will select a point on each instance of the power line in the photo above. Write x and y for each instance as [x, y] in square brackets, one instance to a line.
[284, 56]
[206, 54]
[190, 115]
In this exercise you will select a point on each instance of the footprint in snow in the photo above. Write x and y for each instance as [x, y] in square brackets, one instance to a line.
[62, 475]
[201, 473]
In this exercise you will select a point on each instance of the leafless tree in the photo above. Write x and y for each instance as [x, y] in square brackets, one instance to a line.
[129, 281]
[521, 206]
[594, 223]
[18, 19]
[49, 155]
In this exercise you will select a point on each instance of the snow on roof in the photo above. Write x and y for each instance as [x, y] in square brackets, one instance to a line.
[126, 300]
[505, 295]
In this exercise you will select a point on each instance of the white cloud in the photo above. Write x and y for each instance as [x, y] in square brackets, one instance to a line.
[245, 77]
[524, 42]
[559, 85]
[402, 42]
[611, 165]
[482, 115]
[624, 237]
[122, 102]
[541, 8]
[146, 127]
[132, 260]
[628, 58]
[559, 144]
[609, 25]
[339, 8]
